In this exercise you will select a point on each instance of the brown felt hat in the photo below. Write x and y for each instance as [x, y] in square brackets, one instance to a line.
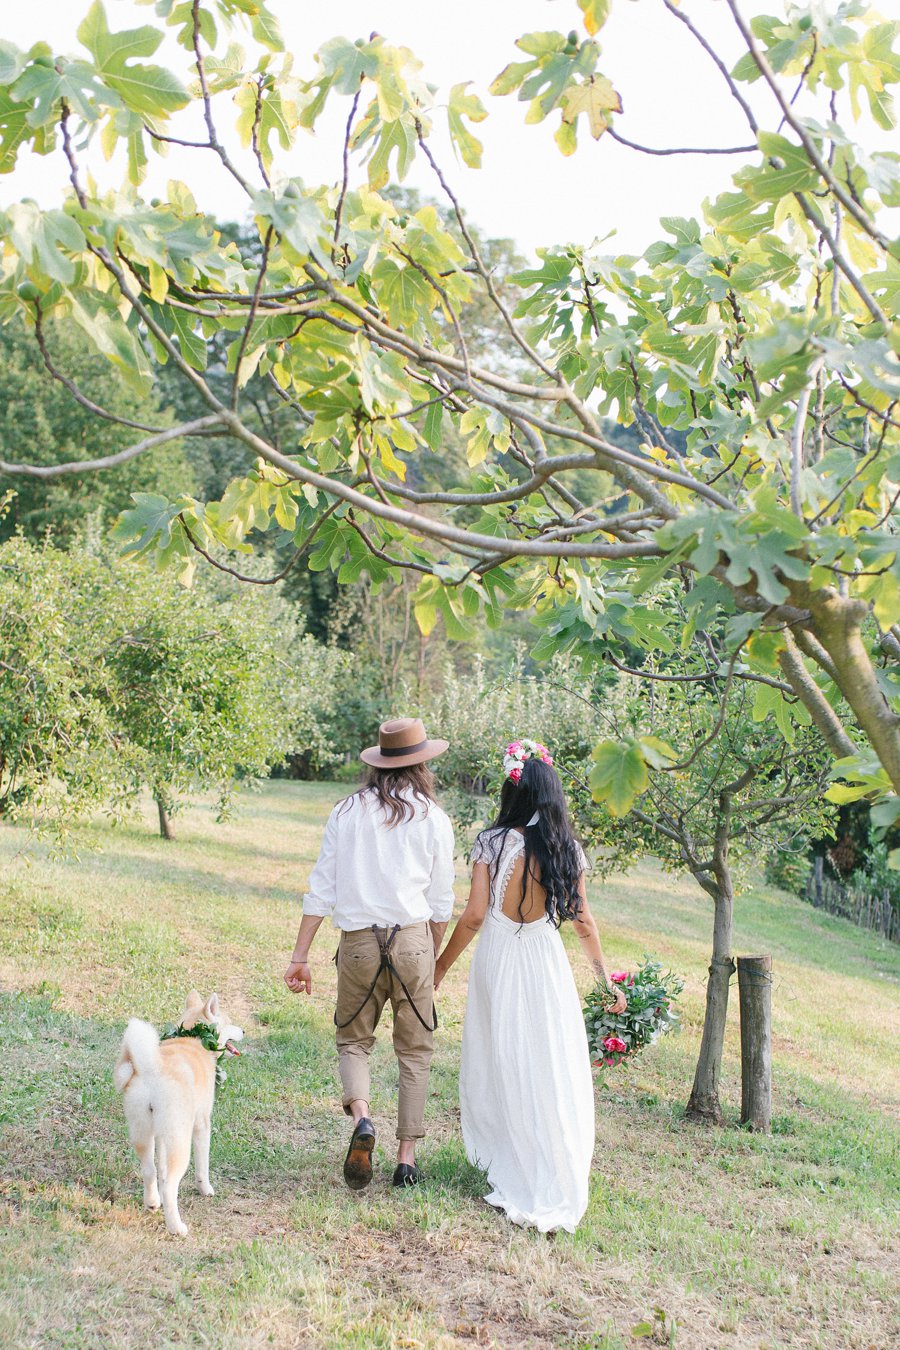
[402, 742]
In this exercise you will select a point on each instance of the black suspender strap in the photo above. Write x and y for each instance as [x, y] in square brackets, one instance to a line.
[384, 947]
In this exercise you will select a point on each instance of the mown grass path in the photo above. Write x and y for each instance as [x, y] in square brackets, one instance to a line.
[738, 1241]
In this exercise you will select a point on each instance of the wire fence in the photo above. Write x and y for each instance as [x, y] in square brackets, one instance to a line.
[867, 909]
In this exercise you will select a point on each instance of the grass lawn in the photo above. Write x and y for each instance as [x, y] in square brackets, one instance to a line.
[700, 1238]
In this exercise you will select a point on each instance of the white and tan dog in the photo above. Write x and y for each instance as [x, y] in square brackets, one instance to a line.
[168, 1090]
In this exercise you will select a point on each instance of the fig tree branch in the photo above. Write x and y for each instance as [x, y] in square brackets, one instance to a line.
[201, 426]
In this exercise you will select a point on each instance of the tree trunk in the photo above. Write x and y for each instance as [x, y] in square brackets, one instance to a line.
[834, 643]
[165, 824]
[837, 623]
[704, 1100]
[755, 991]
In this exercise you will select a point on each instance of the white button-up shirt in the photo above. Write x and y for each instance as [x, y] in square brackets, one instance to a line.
[369, 873]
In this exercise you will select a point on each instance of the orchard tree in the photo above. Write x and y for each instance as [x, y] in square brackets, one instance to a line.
[114, 679]
[725, 785]
[61, 755]
[752, 350]
[202, 688]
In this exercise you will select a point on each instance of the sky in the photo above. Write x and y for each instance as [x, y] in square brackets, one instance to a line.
[526, 189]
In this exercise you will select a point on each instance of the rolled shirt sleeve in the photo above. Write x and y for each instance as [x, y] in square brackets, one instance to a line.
[321, 897]
[439, 894]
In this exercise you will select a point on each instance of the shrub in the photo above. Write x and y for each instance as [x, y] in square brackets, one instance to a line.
[789, 868]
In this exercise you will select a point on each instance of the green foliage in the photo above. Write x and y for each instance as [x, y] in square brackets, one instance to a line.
[114, 678]
[335, 710]
[789, 868]
[59, 748]
[748, 353]
[480, 714]
[671, 805]
[621, 770]
[40, 419]
[877, 874]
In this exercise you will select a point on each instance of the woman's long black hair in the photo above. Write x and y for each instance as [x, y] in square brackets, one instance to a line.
[553, 858]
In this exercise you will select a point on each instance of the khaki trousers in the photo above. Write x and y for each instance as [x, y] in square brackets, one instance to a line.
[358, 959]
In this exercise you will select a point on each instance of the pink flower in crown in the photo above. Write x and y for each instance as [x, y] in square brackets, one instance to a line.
[518, 751]
[615, 1045]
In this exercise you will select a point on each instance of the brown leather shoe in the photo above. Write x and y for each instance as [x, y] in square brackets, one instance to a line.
[358, 1162]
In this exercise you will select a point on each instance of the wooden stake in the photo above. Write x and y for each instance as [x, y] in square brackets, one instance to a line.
[755, 992]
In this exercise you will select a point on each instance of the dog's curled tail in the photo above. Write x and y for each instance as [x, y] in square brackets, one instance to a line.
[139, 1053]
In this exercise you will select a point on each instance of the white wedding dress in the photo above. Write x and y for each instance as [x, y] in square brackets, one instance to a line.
[526, 1091]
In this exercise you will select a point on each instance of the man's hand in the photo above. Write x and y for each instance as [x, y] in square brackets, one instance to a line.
[298, 977]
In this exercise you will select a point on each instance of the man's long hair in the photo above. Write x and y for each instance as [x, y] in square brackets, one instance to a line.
[397, 790]
[552, 856]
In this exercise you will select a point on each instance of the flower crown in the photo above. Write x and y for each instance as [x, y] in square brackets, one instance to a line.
[516, 754]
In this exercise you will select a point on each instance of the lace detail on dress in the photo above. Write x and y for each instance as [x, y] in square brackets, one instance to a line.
[499, 854]
[485, 847]
[506, 868]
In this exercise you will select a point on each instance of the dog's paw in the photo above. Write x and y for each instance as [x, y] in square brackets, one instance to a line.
[204, 1188]
[152, 1202]
[178, 1230]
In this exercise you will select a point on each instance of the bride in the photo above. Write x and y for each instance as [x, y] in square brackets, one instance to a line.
[526, 1092]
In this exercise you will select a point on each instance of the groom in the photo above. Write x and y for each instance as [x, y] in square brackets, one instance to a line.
[385, 878]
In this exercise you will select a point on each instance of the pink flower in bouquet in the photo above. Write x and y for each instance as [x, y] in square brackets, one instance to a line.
[619, 977]
[615, 1045]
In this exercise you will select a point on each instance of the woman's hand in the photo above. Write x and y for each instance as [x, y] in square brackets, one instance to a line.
[621, 1002]
[298, 977]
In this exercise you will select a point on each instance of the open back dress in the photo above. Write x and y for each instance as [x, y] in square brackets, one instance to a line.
[526, 1091]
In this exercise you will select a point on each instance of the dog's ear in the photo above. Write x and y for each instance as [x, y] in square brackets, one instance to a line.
[211, 1007]
[194, 1002]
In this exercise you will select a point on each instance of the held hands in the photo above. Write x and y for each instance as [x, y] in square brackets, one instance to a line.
[298, 978]
[440, 971]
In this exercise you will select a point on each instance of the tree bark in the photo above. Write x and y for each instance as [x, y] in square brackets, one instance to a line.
[837, 623]
[825, 719]
[165, 824]
[755, 993]
[704, 1104]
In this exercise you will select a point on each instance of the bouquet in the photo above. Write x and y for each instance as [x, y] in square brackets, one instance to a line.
[651, 993]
